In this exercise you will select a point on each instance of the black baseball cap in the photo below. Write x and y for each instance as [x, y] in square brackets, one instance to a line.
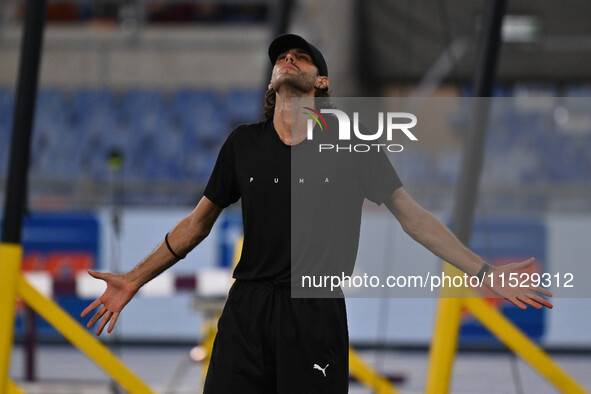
[285, 42]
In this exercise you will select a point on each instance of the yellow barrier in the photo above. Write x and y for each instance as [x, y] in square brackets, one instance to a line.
[80, 338]
[522, 345]
[14, 389]
[363, 373]
[13, 284]
[444, 344]
[10, 258]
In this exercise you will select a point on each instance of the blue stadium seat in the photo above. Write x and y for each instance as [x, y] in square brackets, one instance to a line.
[143, 99]
[210, 131]
[90, 104]
[244, 105]
[191, 104]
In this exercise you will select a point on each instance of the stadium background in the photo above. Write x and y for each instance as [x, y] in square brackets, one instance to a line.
[136, 98]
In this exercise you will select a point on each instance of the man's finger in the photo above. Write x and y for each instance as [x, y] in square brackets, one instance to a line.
[530, 302]
[517, 303]
[104, 322]
[96, 316]
[113, 321]
[527, 263]
[91, 307]
[97, 275]
[542, 301]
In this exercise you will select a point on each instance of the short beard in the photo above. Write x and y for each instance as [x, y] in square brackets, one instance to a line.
[304, 83]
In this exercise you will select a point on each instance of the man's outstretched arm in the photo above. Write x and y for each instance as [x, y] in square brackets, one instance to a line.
[121, 288]
[424, 228]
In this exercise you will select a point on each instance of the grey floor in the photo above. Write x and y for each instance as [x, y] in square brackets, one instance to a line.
[63, 370]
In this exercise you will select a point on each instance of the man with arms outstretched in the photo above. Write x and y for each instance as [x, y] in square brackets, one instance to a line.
[267, 341]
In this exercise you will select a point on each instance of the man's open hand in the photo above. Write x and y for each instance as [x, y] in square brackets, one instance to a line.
[525, 293]
[118, 293]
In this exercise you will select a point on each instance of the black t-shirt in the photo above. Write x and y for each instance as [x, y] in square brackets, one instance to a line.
[298, 205]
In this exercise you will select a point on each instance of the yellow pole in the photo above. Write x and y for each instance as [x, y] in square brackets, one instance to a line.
[444, 345]
[515, 340]
[363, 373]
[10, 259]
[80, 338]
[445, 338]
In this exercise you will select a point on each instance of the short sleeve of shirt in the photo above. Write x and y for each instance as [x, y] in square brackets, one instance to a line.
[378, 178]
[222, 188]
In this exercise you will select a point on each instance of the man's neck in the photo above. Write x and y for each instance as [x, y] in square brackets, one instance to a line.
[282, 117]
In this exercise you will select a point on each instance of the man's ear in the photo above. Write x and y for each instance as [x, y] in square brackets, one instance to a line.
[321, 82]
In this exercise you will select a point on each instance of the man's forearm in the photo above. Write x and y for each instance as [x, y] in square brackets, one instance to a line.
[185, 236]
[153, 265]
[160, 259]
[436, 237]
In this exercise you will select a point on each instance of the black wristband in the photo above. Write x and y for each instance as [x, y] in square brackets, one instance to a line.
[170, 249]
[485, 268]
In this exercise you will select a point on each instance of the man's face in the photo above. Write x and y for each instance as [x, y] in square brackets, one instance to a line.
[294, 68]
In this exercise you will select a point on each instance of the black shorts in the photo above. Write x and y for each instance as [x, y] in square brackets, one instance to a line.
[268, 342]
